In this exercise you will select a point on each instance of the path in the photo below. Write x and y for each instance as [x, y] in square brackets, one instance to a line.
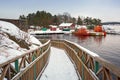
[59, 67]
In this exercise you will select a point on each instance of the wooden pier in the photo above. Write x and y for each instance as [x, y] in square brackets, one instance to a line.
[31, 65]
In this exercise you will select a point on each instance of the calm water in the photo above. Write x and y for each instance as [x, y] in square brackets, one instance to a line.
[107, 47]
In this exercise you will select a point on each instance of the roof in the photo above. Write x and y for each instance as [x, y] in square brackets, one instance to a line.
[53, 26]
[65, 24]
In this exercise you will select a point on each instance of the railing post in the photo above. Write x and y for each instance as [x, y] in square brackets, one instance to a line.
[34, 67]
[83, 59]
[96, 68]
[82, 72]
[16, 65]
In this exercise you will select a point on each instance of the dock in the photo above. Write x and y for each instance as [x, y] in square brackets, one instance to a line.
[49, 32]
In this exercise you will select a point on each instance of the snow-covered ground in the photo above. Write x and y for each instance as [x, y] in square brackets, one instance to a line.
[114, 29]
[50, 32]
[10, 36]
[59, 67]
[44, 32]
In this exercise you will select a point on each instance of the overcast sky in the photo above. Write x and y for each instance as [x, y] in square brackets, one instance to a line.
[106, 10]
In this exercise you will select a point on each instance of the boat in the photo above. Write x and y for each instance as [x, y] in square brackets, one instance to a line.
[92, 33]
[81, 32]
[98, 31]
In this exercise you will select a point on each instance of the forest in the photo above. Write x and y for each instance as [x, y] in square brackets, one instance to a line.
[44, 19]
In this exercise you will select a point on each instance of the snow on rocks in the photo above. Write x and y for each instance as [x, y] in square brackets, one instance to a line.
[10, 48]
[12, 30]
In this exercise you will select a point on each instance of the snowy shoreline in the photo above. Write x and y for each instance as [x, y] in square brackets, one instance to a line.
[39, 32]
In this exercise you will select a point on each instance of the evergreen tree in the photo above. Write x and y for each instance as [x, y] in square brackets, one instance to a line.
[55, 20]
[74, 20]
[43, 18]
[79, 21]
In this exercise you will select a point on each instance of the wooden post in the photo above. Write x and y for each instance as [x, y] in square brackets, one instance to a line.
[16, 65]
[34, 71]
[8, 74]
[83, 66]
[34, 67]
[96, 68]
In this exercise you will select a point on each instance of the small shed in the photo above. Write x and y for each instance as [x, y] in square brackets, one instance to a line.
[44, 29]
[53, 27]
[67, 26]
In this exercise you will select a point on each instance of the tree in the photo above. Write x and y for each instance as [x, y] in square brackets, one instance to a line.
[55, 20]
[67, 17]
[43, 18]
[40, 18]
[30, 19]
[74, 20]
[79, 21]
[22, 17]
[96, 21]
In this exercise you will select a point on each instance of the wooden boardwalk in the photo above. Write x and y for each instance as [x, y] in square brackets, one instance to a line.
[59, 67]
[31, 64]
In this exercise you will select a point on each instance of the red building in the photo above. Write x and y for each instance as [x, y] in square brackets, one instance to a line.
[67, 26]
[53, 28]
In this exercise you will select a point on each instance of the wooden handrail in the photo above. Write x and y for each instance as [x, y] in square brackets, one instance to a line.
[91, 60]
[24, 61]
[24, 54]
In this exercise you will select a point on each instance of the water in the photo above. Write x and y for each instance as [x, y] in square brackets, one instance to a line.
[107, 47]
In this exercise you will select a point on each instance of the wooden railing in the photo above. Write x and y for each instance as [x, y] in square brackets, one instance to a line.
[89, 65]
[27, 66]
[30, 65]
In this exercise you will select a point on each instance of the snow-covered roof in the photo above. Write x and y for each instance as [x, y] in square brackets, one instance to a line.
[65, 24]
[32, 26]
[53, 26]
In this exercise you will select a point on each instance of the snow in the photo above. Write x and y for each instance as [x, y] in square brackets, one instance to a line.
[44, 32]
[9, 48]
[80, 26]
[59, 67]
[53, 26]
[50, 32]
[65, 24]
[114, 29]
[84, 49]
[11, 29]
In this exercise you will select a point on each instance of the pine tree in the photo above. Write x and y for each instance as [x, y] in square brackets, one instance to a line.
[79, 21]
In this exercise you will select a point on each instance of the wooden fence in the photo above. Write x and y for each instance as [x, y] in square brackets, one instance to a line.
[27, 66]
[89, 65]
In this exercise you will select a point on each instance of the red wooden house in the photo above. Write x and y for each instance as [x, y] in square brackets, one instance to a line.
[53, 28]
[67, 26]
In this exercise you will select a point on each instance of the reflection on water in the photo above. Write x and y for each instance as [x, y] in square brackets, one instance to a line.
[108, 47]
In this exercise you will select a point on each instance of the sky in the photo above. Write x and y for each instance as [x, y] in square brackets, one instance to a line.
[106, 10]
